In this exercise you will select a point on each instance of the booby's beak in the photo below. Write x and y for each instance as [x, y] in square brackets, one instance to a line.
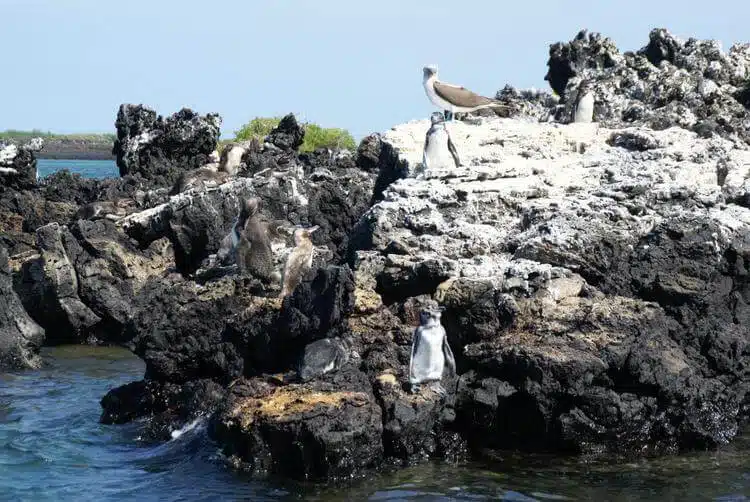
[312, 229]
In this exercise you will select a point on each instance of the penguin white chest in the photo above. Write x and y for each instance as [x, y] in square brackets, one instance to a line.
[428, 359]
[436, 152]
[584, 109]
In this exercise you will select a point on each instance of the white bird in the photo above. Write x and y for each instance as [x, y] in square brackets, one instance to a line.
[453, 98]
[430, 352]
[583, 107]
[439, 150]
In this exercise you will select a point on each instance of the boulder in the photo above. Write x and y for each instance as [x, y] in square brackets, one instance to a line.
[82, 284]
[20, 336]
[327, 429]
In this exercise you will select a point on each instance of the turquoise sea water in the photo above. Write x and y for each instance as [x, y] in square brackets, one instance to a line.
[86, 168]
[52, 447]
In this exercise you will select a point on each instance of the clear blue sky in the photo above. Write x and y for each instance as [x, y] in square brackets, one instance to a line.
[68, 64]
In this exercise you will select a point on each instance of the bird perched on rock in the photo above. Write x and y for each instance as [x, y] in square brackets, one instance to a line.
[453, 98]
[430, 351]
[439, 150]
[299, 260]
[583, 106]
[321, 357]
[254, 254]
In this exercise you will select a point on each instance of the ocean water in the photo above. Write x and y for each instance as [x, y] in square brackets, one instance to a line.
[86, 168]
[52, 447]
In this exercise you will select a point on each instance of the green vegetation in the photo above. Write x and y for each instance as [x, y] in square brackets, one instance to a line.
[13, 134]
[315, 136]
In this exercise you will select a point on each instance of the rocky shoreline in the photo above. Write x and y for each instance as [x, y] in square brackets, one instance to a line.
[78, 149]
[593, 276]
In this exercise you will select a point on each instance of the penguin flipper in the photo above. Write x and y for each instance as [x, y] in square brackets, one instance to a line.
[450, 361]
[454, 152]
[414, 349]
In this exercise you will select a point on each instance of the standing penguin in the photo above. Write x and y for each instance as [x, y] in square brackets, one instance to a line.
[439, 150]
[430, 351]
[583, 107]
[299, 260]
[227, 252]
[254, 254]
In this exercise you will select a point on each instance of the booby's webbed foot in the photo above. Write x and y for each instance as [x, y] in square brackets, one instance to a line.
[415, 388]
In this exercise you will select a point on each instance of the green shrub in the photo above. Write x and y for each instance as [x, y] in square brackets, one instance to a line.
[258, 128]
[315, 136]
[319, 137]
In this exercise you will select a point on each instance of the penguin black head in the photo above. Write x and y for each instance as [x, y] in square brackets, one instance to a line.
[430, 315]
[584, 86]
[303, 235]
[429, 70]
[437, 118]
[248, 208]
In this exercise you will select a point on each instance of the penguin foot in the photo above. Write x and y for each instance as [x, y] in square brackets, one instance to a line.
[438, 389]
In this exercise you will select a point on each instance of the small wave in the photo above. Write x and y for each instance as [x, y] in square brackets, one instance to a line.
[199, 422]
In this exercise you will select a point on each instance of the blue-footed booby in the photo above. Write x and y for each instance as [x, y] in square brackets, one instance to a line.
[453, 98]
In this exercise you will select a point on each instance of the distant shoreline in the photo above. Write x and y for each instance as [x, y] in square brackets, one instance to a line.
[66, 146]
[77, 148]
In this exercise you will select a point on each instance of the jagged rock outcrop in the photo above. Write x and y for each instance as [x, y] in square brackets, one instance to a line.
[669, 82]
[594, 280]
[304, 190]
[592, 291]
[20, 336]
[18, 164]
[159, 148]
[81, 286]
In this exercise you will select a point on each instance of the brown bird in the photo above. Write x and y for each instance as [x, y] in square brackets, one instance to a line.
[454, 98]
[254, 254]
[299, 260]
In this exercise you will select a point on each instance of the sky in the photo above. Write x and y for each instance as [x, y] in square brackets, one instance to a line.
[67, 65]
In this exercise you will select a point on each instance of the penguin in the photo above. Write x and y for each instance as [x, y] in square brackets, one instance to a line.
[430, 351]
[231, 159]
[583, 106]
[299, 260]
[439, 151]
[321, 357]
[253, 249]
